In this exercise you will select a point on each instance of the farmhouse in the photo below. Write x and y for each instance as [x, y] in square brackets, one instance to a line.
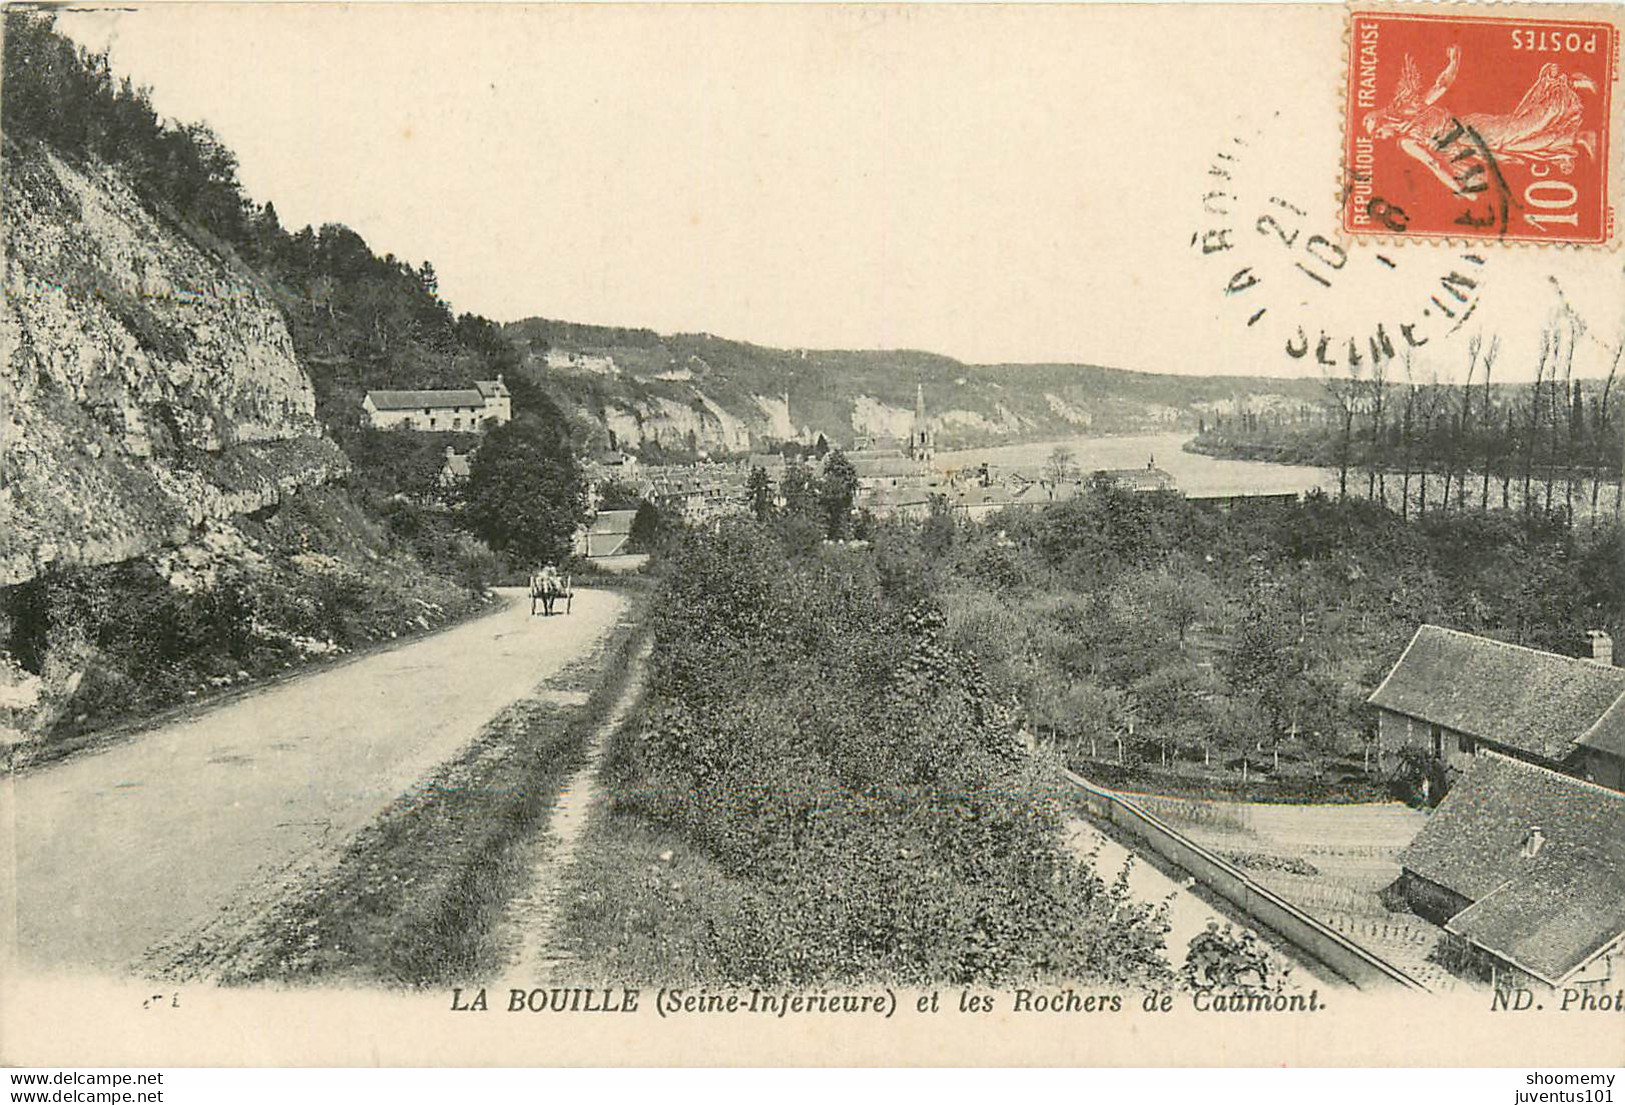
[485, 404]
[1525, 869]
[1454, 694]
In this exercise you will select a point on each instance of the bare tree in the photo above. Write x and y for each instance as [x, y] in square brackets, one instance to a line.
[1461, 423]
[1430, 397]
[1575, 428]
[1344, 393]
[1554, 419]
[1378, 386]
[1405, 439]
[1600, 428]
[1506, 462]
[1061, 466]
[1534, 420]
[1484, 419]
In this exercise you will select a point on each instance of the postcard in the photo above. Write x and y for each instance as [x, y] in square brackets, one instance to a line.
[812, 535]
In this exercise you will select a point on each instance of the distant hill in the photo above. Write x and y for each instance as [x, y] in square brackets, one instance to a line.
[706, 392]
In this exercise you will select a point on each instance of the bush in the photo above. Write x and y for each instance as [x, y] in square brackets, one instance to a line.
[824, 747]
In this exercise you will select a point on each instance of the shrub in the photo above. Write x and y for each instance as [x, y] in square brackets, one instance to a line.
[826, 747]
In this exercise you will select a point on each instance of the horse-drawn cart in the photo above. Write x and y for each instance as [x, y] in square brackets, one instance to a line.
[547, 589]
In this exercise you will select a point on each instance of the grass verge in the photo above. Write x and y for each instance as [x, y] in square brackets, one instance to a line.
[644, 908]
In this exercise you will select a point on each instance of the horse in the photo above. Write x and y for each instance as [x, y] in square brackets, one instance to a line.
[546, 589]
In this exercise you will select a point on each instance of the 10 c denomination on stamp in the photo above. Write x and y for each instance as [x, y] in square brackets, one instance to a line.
[1481, 127]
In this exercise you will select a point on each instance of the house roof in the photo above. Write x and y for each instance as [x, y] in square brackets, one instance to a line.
[495, 389]
[1608, 735]
[1537, 702]
[1549, 912]
[885, 467]
[896, 498]
[1553, 919]
[1140, 479]
[992, 497]
[417, 400]
[457, 464]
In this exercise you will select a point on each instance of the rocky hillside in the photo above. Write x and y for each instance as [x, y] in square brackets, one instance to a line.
[700, 391]
[148, 384]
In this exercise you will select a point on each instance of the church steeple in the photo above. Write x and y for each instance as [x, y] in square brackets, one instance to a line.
[922, 445]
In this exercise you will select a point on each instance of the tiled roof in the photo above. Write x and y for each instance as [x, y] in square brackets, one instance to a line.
[896, 498]
[434, 400]
[879, 468]
[1551, 920]
[1140, 479]
[1608, 735]
[1537, 702]
[1547, 912]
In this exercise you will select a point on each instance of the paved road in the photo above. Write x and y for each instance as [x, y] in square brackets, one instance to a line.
[117, 850]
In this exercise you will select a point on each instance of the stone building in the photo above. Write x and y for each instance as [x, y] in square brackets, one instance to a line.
[466, 410]
[1524, 868]
[1454, 695]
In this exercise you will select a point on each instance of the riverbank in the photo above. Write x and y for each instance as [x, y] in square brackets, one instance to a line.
[1424, 489]
[1194, 473]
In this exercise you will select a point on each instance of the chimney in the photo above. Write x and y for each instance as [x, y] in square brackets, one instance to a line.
[1532, 843]
[1602, 648]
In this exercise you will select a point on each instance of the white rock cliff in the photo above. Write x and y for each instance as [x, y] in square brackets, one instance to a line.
[148, 383]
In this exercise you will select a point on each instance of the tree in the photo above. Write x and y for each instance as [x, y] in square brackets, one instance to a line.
[1260, 665]
[759, 493]
[617, 494]
[837, 491]
[1407, 436]
[821, 447]
[1182, 595]
[1060, 466]
[937, 537]
[800, 489]
[526, 495]
[1460, 429]
[1343, 391]
[1484, 418]
[646, 525]
[1600, 432]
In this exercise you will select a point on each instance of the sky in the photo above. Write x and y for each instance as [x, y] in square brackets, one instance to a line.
[997, 185]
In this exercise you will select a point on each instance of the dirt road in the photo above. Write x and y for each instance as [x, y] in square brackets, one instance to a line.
[117, 850]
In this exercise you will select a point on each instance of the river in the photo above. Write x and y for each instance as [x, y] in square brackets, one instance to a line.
[1193, 473]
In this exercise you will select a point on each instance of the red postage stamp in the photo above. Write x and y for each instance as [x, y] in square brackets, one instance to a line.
[1482, 126]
